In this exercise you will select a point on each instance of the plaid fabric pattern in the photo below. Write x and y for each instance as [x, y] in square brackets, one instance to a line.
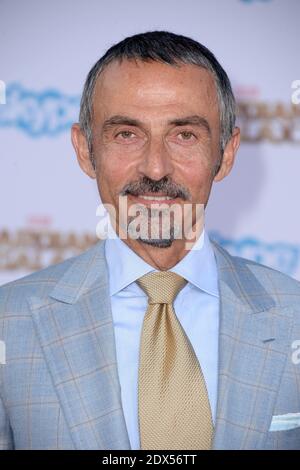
[59, 388]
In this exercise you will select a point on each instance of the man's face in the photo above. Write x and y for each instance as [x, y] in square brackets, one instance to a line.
[156, 132]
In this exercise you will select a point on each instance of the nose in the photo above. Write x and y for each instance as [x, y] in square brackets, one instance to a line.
[156, 162]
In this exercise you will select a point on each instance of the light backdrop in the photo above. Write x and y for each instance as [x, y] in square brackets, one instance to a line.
[48, 206]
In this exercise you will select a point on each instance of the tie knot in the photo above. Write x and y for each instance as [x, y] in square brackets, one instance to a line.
[161, 287]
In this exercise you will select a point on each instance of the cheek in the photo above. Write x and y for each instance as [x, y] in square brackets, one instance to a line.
[196, 177]
[113, 171]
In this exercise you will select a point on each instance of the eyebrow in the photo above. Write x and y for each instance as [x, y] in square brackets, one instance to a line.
[118, 119]
[194, 120]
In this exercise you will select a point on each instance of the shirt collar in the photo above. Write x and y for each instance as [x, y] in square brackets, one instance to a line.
[198, 267]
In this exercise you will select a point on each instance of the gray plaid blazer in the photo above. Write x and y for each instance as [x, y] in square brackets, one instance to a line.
[59, 388]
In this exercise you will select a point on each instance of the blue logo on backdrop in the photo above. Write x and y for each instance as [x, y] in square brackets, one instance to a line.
[45, 113]
[282, 256]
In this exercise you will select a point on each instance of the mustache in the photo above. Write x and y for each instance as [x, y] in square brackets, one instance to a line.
[165, 185]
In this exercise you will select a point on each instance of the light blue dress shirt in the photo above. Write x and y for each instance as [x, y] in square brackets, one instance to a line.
[196, 307]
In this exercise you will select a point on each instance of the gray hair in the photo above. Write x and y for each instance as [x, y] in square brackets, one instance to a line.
[169, 48]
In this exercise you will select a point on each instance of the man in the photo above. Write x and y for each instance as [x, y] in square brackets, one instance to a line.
[143, 342]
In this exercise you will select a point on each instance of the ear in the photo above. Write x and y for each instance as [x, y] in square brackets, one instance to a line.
[229, 155]
[80, 145]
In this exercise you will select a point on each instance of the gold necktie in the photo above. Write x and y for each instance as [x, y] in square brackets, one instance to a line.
[174, 409]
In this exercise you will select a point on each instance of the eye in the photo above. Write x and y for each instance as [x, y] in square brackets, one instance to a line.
[187, 135]
[125, 135]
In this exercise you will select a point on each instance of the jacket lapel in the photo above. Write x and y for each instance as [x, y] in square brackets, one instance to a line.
[75, 328]
[253, 345]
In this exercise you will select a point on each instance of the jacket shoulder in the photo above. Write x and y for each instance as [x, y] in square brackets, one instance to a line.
[283, 288]
[14, 294]
[270, 277]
